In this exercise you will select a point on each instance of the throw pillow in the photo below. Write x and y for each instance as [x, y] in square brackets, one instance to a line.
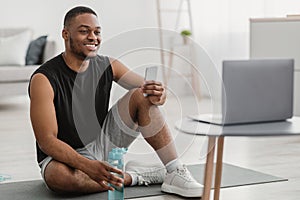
[13, 48]
[35, 51]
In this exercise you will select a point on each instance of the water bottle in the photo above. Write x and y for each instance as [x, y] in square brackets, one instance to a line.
[116, 160]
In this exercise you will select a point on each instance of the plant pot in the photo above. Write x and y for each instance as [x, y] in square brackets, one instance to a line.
[186, 39]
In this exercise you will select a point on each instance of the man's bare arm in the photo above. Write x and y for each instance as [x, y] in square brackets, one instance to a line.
[129, 80]
[125, 77]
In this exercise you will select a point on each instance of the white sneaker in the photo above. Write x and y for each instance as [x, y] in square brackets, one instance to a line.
[146, 174]
[181, 182]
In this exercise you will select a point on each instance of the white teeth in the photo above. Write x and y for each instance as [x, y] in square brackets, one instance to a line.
[90, 45]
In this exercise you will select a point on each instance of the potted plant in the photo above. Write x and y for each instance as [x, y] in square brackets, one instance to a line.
[185, 34]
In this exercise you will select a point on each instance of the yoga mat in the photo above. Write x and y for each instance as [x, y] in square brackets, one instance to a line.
[233, 176]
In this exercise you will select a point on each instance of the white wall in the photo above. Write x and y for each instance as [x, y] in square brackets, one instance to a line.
[46, 17]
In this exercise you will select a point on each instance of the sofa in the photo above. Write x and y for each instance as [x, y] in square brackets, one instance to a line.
[20, 56]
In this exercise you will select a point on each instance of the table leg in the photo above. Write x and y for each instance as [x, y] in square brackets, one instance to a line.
[219, 165]
[209, 167]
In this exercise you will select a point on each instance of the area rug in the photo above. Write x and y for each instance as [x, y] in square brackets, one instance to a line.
[233, 176]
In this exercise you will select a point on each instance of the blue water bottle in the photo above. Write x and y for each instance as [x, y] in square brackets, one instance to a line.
[116, 160]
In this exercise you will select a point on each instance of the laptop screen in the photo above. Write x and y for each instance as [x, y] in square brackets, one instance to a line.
[257, 90]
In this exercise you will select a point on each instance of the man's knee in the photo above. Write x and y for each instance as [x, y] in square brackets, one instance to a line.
[134, 108]
[133, 101]
[138, 98]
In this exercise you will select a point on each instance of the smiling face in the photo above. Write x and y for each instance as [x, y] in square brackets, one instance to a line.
[82, 36]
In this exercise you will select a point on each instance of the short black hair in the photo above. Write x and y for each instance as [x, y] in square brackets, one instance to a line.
[74, 12]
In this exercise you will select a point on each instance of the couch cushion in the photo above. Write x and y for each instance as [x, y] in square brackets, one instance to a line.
[35, 51]
[50, 49]
[16, 73]
[13, 48]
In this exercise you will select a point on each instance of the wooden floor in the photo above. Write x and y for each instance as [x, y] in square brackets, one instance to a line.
[276, 156]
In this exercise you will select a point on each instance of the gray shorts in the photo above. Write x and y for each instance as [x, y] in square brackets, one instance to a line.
[115, 133]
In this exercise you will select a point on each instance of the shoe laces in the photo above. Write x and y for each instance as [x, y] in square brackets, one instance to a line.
[149, 178]
[184, 173]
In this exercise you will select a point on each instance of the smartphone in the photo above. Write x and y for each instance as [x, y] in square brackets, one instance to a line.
[150, 74]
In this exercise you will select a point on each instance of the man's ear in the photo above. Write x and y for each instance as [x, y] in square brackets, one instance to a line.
[65, 34]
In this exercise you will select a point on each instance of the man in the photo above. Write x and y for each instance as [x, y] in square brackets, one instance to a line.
[74, 130]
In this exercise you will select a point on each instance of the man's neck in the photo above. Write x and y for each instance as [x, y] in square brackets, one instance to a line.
[77, 65]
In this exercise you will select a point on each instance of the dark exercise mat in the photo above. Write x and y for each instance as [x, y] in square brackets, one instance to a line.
[233, 176]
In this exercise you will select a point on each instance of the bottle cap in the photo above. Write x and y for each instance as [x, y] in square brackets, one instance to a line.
[117, 153]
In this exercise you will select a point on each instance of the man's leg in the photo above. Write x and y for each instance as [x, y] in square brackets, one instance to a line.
[137, 112]
[64, 179]
[61, 178]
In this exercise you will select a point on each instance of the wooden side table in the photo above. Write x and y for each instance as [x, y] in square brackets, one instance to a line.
[216, 135]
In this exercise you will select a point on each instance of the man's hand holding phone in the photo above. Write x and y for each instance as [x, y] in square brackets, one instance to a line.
[152, 89]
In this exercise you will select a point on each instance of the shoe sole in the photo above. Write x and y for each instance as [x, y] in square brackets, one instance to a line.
[182, 192]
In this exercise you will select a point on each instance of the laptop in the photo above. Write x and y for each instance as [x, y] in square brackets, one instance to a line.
[257, 90]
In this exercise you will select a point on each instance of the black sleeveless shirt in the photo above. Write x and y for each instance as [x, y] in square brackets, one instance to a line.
[81, 100]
